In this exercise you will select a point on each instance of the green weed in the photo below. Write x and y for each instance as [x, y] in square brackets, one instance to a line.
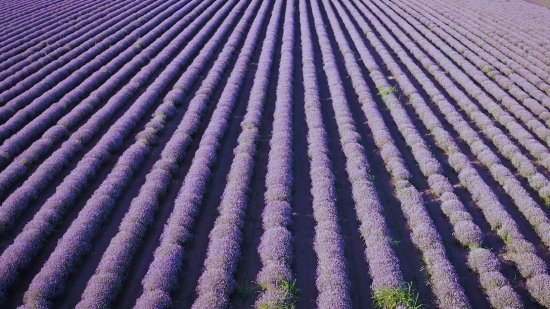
[393, 298]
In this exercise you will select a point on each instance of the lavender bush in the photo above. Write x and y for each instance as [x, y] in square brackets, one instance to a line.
[483, 197]
[443, 278]
[223, 251]
[33, 236]
[13, 206]
[275, 249]
[47, 283]
[332, 278]
[160, 279]
[19, 141]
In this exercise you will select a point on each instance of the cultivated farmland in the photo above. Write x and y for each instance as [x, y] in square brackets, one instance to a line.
[274, 154]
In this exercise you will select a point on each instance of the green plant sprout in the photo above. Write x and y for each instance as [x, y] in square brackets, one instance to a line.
[393, 298]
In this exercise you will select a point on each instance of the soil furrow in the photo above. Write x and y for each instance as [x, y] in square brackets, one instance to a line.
[303, 223]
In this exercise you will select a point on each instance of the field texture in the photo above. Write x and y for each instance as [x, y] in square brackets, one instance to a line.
[274, 154]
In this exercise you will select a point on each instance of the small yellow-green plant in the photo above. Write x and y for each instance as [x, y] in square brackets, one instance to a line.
[393, 298]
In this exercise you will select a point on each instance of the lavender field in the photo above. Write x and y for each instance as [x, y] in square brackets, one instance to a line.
[274, 154]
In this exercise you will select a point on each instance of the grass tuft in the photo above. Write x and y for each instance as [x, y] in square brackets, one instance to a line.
[290, 288]
[289, 296]
[394, 298]
[385, 91]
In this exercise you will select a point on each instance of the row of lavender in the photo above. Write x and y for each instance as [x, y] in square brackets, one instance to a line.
[35, 11]
[36, 232]
[275, 249]
[30, 48]
[21, 198]
[335, 292]
[128, 62]
[66, 80]
[181, 38]
[161, 277]
[531, 267]
[529, 207]
[47, 283]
